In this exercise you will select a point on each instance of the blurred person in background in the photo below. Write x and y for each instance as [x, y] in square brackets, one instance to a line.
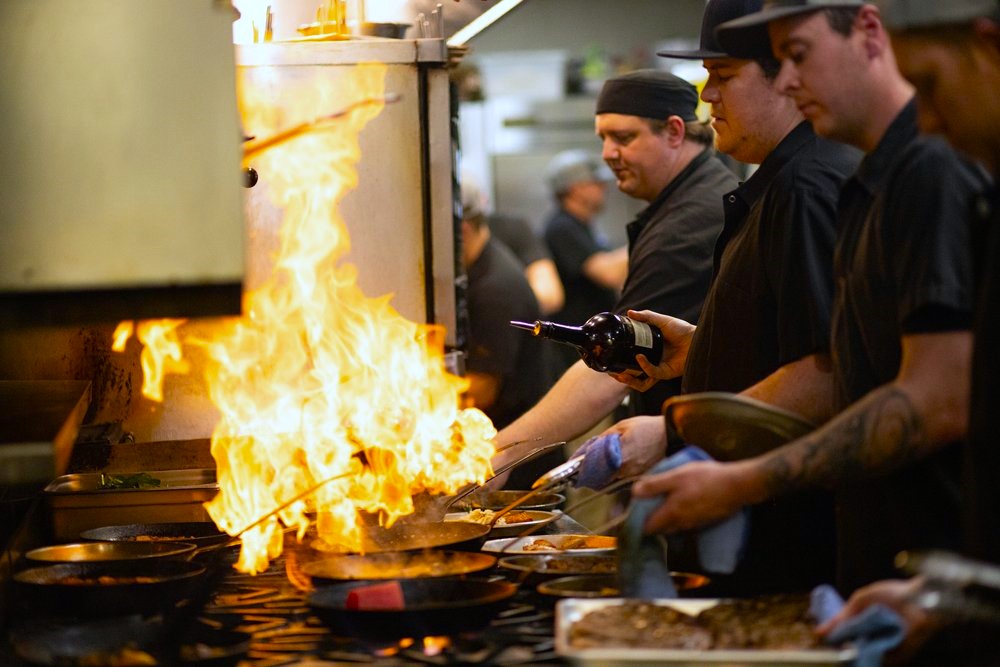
[592, 273]
[507, 371]
[660, 153]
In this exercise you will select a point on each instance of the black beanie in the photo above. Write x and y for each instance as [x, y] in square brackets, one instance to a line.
[649, 93]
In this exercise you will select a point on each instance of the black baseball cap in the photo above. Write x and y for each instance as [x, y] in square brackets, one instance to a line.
[716, 13]
[740, 35]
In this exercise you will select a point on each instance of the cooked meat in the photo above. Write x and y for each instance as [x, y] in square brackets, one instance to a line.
[773, 622]
[639, 624]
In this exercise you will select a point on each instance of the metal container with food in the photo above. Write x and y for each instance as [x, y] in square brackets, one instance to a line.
[82, 501]
[564, 542]
[513, 523]
[606, 585]
[669, 634]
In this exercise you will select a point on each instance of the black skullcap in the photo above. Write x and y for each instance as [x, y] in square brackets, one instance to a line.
[649, 93]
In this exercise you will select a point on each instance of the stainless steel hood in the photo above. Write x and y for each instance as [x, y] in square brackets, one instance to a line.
[120, 152]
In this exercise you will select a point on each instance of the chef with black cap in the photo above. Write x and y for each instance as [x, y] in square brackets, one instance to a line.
[659, 153]
[765, 327]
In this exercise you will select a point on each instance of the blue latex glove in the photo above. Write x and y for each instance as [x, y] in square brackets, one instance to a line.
[602, 458]
[642, 564]
[875, 631]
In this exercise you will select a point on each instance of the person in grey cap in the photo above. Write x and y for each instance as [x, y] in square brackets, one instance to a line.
[765, 326]
[951, 52]
[900, 340]
[660, 153]
[592, 273]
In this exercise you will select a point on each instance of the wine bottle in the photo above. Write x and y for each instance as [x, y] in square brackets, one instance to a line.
[606, 342]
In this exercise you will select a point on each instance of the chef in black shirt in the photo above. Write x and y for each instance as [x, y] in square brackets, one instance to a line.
[765, 325]
[901, 341]
[951, 53]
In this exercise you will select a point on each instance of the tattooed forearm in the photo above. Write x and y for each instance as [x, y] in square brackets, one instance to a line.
[882, 432]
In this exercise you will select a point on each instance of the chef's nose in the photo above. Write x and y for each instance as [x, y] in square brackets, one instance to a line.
[609, 151]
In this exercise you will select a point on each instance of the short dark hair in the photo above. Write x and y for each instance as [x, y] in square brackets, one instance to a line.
[697, 131]
[841, 19]
[770, 65]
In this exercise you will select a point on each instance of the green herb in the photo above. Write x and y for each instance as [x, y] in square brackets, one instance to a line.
[140, 480]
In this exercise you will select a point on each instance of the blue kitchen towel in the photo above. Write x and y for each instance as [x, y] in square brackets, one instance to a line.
[602, 458]
[642, 559]
[874, 632]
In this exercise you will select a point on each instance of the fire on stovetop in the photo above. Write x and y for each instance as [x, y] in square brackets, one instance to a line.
[316, 379]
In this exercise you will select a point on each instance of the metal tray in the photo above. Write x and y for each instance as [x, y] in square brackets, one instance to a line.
[572, 610]
[731, 427]
[78, 503]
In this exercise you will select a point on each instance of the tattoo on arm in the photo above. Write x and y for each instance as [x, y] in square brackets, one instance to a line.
[882, 432]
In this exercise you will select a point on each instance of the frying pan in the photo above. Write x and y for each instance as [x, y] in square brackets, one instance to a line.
[199, 533]
[164, 582]
[88, 552]
[410, 536]
[495, 500]
[396, 565]
[433, 607]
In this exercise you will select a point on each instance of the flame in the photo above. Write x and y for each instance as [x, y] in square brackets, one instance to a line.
[318, 380]
[121, 335]
[435, 645]
[160, 355]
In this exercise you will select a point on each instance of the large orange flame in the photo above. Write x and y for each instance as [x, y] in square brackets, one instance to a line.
[317, 380]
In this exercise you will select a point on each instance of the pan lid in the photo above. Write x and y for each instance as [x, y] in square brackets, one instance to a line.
[731, 427]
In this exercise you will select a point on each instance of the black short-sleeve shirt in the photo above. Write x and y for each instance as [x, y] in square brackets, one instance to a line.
[671, 244]
[571, 243]
[903, 250]
[981, 491]
[516, 234]
[770, 300]
[498, 292]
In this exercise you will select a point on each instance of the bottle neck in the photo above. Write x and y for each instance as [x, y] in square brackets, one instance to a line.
[561, 333]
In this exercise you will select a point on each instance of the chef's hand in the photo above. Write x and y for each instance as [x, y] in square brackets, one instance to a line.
[697, 494]
[677, 336]
[628, 448]
[898, 595]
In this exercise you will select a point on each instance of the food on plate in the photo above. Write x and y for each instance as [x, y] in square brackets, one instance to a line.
[777, 622]
[571, 542]
[127, 655]
[140, 480]
[486, 517]
[572, 564]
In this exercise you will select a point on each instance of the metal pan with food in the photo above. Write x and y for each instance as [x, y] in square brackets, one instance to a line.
[690, 632]
[402, 536]
[564, 542]
[396, 565]
[199, 533]
[410, 608]
[509, 524]
[495, 500]
[90, 552]
[532, 569]
[606, 585]
[106, 588]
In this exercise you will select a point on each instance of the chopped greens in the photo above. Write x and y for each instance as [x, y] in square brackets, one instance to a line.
[140, 480]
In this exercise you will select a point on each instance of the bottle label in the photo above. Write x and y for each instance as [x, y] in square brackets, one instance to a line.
[643, 334]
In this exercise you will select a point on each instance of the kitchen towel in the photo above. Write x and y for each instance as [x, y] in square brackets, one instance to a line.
[642, 559]
[875, 631]
[602, 458]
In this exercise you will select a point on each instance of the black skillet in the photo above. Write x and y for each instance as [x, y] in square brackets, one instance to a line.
[431, 607]
[461, 535]
[199, 533]
[134, 587]
[396, 565]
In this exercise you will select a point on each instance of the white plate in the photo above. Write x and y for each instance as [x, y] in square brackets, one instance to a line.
[516, 545]
[572, 610]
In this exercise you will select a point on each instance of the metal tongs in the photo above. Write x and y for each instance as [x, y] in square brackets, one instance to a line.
[559, 475]
[954, 585]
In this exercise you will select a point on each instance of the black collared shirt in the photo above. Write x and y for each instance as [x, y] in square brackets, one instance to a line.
[903, 252]
[671, 245]
[770, 300]
[981, 491]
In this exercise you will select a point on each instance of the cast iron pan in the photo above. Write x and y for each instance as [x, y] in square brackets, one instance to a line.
[432, 607]
[134, 587]
[396, 565]
[200, 533]
[411, 536]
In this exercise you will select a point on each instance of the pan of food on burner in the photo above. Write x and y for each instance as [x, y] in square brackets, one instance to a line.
[509, 524]
[106, 588]
[410, 536]
[199, 533]
[410, 608]
[88, 552]
[495, 500]
[396, 565]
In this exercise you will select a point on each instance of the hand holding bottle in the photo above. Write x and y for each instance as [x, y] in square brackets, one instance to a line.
[676, 334]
